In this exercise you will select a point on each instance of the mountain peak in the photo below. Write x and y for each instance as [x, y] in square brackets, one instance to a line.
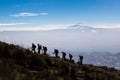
[83, 28]
[77, 26]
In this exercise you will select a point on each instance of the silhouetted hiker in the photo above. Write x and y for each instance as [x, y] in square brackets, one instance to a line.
[56, 52]
[63, 55]
[70, 56]
[33, 47]
[39, 48]
[44, 49]
[81, 59]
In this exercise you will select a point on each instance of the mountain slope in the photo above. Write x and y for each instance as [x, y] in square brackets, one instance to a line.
[17, 63]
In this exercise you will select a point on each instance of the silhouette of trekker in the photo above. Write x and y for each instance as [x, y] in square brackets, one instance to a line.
[56, 52]
[81, 60]
[33, 47]
[63, 55]
[70, 56]
[44, 49]
[39, 48]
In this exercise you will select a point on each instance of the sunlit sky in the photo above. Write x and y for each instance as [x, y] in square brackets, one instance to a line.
[17, 14]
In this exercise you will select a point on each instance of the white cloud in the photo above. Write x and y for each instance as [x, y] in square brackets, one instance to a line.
[24, 14]
[39, 28]
[14, 27]
[105, 25]
[11, 24]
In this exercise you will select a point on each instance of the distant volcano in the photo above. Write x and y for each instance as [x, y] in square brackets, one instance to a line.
[83, 28]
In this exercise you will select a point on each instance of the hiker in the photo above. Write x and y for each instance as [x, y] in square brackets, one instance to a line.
[81, 59]
[44, 49]
[56, 52]
[70, 56]
[33, 47]
[63, 55]
[39, 48]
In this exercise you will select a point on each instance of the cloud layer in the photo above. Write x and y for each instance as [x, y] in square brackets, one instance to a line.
[24, 14]
[39, 28]
[81, 27]
[11, 24]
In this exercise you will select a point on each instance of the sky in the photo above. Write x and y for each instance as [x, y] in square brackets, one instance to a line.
[30, 14]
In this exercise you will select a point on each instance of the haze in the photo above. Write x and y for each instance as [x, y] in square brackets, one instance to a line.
[73, 40]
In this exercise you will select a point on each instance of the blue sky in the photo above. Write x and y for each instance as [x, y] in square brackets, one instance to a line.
[32, 13]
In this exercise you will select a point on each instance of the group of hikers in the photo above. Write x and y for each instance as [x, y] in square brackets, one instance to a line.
[40, 48]
[43, 49]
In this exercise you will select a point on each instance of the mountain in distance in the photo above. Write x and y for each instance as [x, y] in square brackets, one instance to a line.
[78, 27]
[82, 28]
[87, 29]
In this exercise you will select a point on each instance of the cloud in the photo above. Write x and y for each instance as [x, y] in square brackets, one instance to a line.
[48, 27]
[24, 14]
[105, 25]
[81, 27]
[37, 28]
[11, 24]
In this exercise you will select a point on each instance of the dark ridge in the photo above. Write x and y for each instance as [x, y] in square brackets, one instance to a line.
[17, 63]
